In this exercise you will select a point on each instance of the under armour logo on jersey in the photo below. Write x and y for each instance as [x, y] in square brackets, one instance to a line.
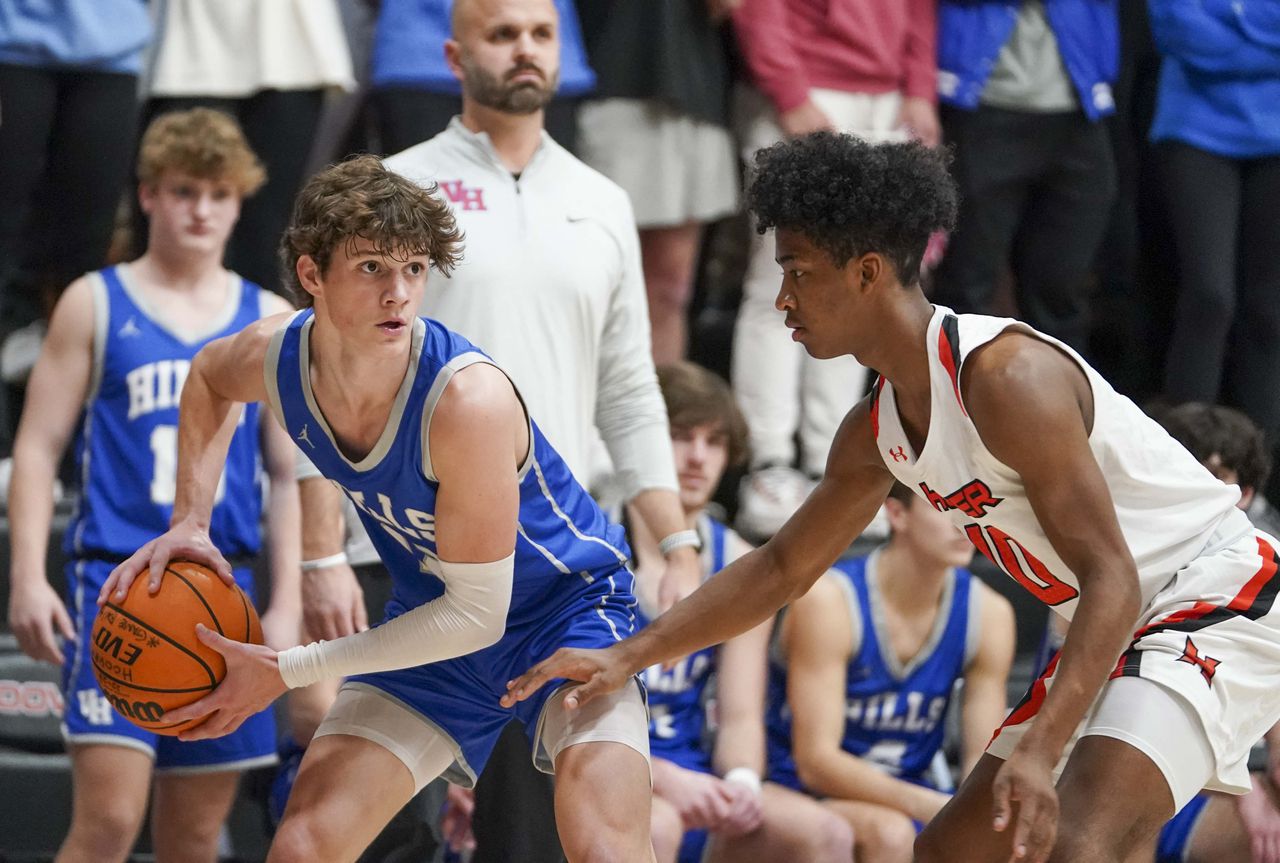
[898, 453]
[305, 436]
[974, 498]
[1207, 664]
[129, 329]
[94, 707]
[464, 197]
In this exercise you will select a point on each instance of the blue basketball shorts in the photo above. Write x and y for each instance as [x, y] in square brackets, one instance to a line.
[88, 716]
[459, 696]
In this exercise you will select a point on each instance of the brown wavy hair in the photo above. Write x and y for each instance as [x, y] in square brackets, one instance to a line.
[203, 143]
[698, 396]
[361, 199]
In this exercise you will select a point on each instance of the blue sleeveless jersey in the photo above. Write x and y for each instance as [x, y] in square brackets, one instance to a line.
[894, 716]
[677, 718]
[563, 541]
[126, 448]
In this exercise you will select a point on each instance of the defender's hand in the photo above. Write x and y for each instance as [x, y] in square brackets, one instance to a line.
[600, 671]
[253, 681]
[1026, 780]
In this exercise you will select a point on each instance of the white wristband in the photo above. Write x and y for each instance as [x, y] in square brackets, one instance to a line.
[324, 562]
[679, 539]
[744, 776]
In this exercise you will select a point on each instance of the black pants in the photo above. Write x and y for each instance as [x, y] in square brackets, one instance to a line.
[66, 147]
[280, 126]
[1225, 215]
[1035, 194]
[408, 116]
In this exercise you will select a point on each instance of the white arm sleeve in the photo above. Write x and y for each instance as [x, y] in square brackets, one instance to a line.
[469, 616]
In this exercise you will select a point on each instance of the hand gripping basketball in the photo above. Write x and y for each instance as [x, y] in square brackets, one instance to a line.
[183, 541]
[253, 681]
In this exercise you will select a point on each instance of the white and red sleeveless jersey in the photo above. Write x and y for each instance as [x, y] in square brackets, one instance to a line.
[1167, 504]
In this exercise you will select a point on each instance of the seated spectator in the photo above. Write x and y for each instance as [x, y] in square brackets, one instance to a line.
[1234, 450]
[863, 672]
[716, 795]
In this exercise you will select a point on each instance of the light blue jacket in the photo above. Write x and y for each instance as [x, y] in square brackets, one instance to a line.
[97, 35]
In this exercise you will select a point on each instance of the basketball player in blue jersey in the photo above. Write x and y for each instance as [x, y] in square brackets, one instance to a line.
[120, 344]
[1171, 669]
[497, 555]
[863, 671]
[710, 803]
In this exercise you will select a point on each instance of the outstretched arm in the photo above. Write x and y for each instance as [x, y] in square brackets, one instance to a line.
[225, 374]
[749, 590]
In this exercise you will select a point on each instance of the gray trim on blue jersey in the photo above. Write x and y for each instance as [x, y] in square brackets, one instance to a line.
[881, 627]
[101, 319]
[219, 322]
[973, 627]
[392, 428]
[555, 561]
[857, 626]
[238, 765]
[271, 367]
[460, 772]
[443, 377]
[573, 528]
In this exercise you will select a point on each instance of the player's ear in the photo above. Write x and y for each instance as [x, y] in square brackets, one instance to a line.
[147, 196]
[868, 269]
[453, 58]
[309, 275]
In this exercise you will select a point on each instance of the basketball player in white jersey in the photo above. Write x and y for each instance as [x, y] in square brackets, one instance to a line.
[1172, 666]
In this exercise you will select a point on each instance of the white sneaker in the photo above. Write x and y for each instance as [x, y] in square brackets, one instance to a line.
[768, 497]
[19, 353]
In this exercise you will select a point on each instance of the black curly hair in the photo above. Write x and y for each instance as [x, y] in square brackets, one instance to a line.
[849, 197]
[1210, 431]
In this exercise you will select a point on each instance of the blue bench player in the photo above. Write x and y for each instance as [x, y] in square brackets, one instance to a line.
[709, 801]
[497, 555]
[119, 348]
[862, 675]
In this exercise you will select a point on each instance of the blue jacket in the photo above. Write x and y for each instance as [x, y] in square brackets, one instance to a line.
[408, 48]
[96, 35]
[1220, 79]
[972, 32]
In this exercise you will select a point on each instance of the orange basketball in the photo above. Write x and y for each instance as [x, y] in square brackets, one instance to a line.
[145, 652]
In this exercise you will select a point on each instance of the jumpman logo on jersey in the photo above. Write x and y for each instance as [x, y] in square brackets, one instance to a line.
[129, 329]
[305, 436]
[899, 453]
[1207, 664]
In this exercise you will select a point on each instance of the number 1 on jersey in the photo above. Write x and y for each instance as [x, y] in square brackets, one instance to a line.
[164, 474]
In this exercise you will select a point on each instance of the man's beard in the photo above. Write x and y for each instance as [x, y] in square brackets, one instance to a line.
[510, 98]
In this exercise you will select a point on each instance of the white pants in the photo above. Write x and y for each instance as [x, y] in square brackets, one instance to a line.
[780, 388]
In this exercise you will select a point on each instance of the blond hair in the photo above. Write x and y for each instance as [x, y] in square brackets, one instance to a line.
[203, 143]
